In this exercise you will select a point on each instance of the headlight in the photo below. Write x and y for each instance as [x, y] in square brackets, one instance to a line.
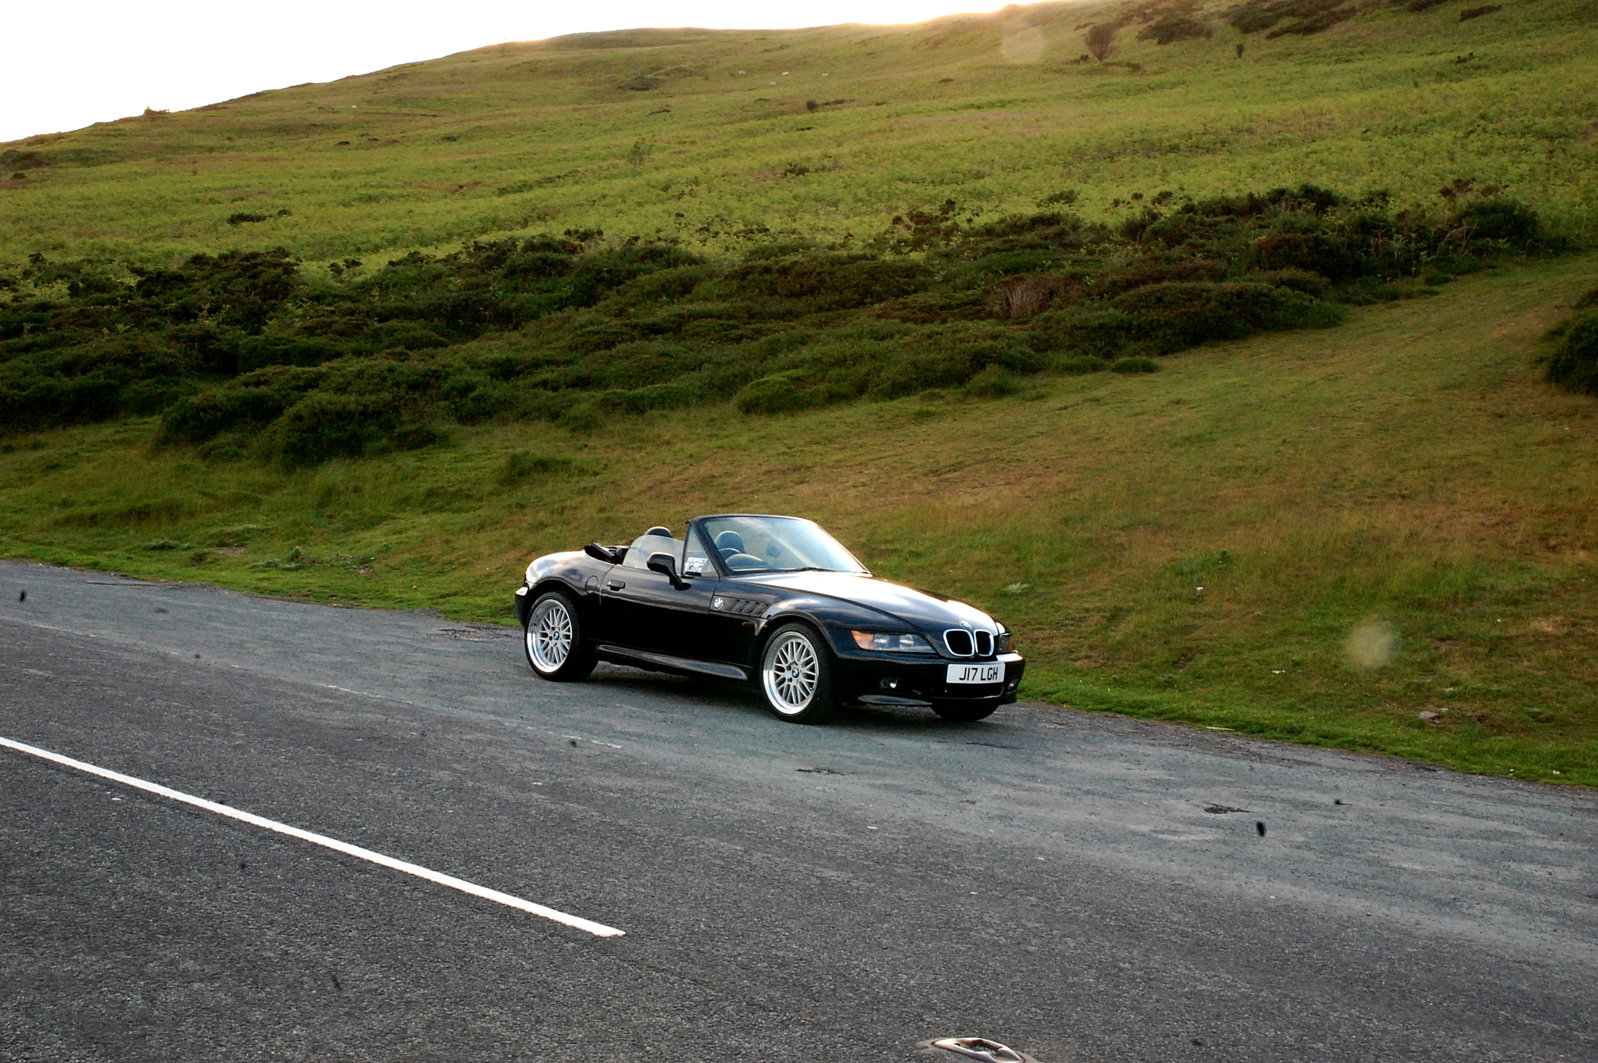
[892, 642]
[1003, 642]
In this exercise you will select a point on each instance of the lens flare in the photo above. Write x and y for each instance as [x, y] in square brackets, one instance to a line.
[1372, 644]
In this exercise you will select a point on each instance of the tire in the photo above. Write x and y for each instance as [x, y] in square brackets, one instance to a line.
[796, 675]
[959, 712]
[553, 639]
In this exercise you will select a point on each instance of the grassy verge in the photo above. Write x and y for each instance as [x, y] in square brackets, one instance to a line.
[1375, 537]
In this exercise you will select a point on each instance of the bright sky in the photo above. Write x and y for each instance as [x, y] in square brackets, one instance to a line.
[65, 64]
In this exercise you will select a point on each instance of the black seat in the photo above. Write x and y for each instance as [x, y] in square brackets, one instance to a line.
[728, 543]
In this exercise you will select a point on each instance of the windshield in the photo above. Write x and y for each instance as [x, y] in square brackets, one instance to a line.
[777, 544]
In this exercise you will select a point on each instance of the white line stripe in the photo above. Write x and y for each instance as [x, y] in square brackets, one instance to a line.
[597, 929]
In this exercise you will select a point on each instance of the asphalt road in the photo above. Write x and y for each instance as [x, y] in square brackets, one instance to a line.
[1078, 887]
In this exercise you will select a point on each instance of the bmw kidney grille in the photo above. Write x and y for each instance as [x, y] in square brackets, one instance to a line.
[963, 643]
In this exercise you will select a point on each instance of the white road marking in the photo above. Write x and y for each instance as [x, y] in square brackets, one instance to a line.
[577, 922]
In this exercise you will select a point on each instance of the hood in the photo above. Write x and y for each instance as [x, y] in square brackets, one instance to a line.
[920, 609]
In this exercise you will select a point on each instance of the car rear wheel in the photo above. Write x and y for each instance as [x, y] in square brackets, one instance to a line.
[796, 676]
[554, 639]
[963, 713]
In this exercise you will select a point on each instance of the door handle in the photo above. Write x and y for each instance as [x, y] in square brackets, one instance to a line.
[616, 584]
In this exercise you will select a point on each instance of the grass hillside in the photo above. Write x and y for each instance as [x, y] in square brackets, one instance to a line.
[380, 341]
[711, 138]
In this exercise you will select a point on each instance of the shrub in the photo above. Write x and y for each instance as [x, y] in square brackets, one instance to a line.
[1503, 220]
[602, 271]
[917, 363]
[822, 282]
[324, 426]
[994, 382]
[1574, 365]
[1091, 329]
[634, 365]
[1020, 298]
[1142, 272]
[676, 282]
[1135, 365]
[203, 417]
[1180, 314]
[778, 393]
[1004, 353]
[678, 393]
[403, 335]
[261, 351]
[1173, 27]
[1099, 39]
[1308, 248]
[1299, 280]
[58, 399]
[641, 324]
[473, 397]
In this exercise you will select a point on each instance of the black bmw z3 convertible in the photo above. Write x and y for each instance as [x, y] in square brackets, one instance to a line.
[767, 600]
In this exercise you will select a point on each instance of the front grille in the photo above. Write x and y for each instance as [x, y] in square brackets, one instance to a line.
[963, 643]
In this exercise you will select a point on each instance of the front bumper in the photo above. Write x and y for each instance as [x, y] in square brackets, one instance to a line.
[920, 680]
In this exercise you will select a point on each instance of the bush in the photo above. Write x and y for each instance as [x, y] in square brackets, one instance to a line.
[923, 362]
[259, 352]
[1308, 249]
[643, 324]
[1135, 365]
[1574, 365]
[1503, 220]
[1026, 296]
[1170, 317]
[994, 382]
[1142, 272]
[60, 399]
[1092, 329]
[635, 365]
[472, 396]
[201, 418]
[324, 426]
[822, 282]
[1173, 27]
[669, 396]
[778, 393]
[1310, 283]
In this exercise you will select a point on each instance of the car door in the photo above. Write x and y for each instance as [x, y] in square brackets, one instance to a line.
[644, 610]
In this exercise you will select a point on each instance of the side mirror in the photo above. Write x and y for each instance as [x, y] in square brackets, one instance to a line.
[666, 565]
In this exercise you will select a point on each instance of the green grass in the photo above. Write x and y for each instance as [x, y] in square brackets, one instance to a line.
[1389, 518]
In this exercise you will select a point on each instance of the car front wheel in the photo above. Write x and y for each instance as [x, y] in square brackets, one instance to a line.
[796, 676]
[554, 639]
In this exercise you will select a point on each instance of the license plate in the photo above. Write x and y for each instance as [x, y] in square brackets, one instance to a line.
[992, 672]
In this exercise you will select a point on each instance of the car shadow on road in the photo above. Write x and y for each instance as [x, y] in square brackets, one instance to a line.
[744, 699]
